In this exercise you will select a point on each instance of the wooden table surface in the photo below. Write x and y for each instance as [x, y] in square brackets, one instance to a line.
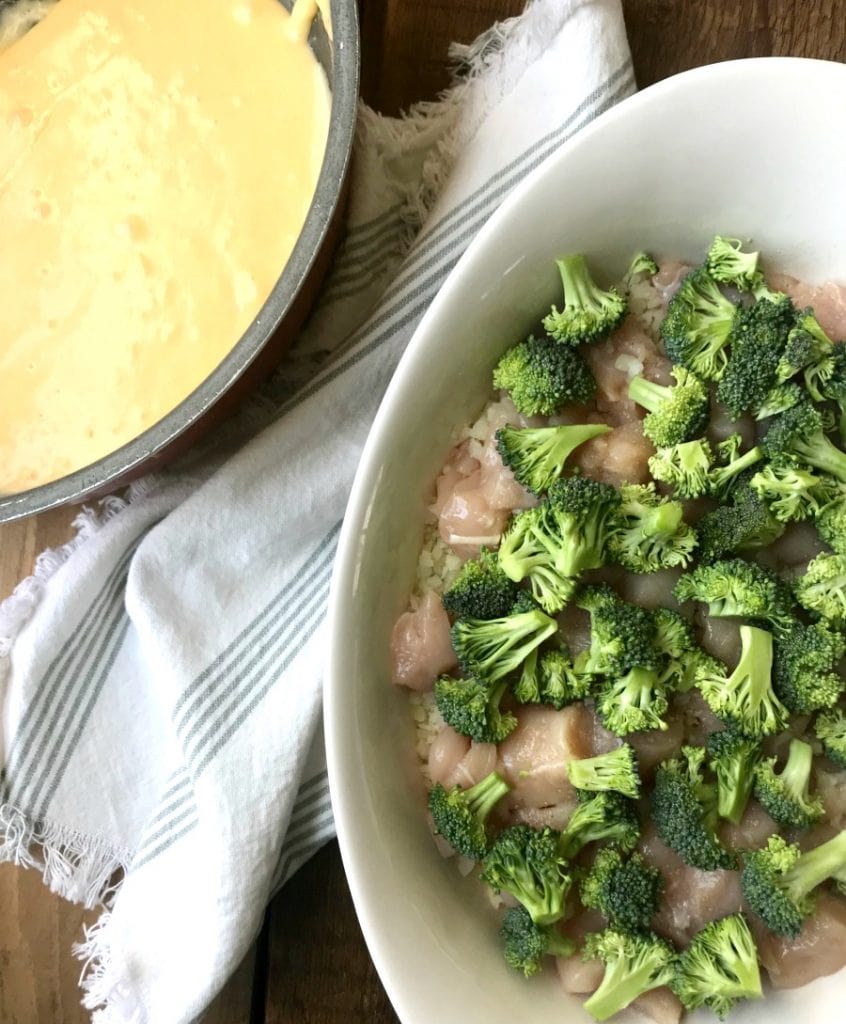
[310, 965]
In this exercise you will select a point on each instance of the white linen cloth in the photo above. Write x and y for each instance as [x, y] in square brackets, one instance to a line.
[161, 674]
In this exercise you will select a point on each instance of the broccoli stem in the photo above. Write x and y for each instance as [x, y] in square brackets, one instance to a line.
[814, 867]
[483, 797]
[796, 773]
[624, 980]
[579, 289]
[648, 394]
[821, 453]
[723, 475]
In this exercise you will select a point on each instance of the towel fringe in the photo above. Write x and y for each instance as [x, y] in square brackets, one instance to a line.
[102, 994]
[17, 609]
[77, 867]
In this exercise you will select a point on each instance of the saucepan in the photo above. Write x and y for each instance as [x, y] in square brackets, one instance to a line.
[257, 352]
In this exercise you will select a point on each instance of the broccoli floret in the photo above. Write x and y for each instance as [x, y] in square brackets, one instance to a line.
[674, 636]
[758, 338]
[536, 455]
[589, 313]
[809, 351]
[472, 708]
[779, 399]
[617, 770]
[728, 264]
[798, 434]
[550, 678]
[732, 759]
[531, 549]
[526, 863]
[744, 525]
[733, 462]
[734, 587]
[778, 881]
[481, 590]
[786, 796]
[634, 964]
[719, 967]
[603, 816]
[540, 376]
[526, 944]
[560, 683]
[633, 702]
[585, 515]
[698, 324]
[684, 467]
[745, 698]
[803, 677]
[642, 263]
[626, 891]
[822, 588]
[684, 809]
[830, 728]
[831, 523]
[461, 815]
[692, 470]
[652, 532]
[675, 643]
[834, 386]
[792, 492]
[622, 634]
[675, 414]
[493, 648]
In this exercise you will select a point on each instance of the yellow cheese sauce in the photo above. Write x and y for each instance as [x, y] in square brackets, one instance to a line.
[157, 161]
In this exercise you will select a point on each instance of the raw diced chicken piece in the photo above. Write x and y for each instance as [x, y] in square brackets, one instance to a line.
[656, 853]
[602, 740]
[668, 278]
[576, 975]
[651, 590]
[828, 301]
[699, 720]
[660, 1005]
[497, 484]
[819, 950]
[454, 760]
[555, 816]
[721, 426]
[421, 648]
[692, 898]
[534, 757]
[466, 521]
[618, 457]
[795, 547]
[575, 628]
[752, 831]
[657, 745]
[831, 788]
[629, 352]
[719, 637]
[458, 467]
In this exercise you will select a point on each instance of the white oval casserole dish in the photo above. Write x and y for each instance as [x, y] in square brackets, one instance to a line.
[750, 148]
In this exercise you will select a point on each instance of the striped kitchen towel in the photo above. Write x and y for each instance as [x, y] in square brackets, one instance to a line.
[161, 675]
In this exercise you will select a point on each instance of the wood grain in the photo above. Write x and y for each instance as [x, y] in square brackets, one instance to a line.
[312, 966]
[313, 934]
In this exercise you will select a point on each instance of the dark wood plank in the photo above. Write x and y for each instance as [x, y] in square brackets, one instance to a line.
[405, 45]
[318, 968]
[668, 36]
